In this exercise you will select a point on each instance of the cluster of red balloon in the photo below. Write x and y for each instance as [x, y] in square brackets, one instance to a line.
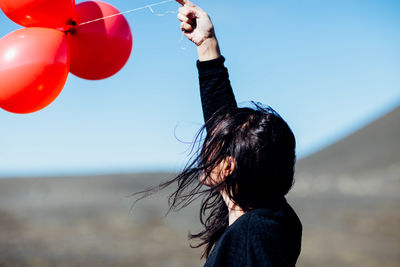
[35, 61]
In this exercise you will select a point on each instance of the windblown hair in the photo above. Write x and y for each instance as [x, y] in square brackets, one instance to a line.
[263, 148]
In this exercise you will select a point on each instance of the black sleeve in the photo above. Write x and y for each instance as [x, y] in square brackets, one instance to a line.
[215, 88]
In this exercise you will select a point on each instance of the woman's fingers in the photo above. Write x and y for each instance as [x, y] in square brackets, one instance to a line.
[186, 27]
[187, 17]
[187, 12]
[184, 18]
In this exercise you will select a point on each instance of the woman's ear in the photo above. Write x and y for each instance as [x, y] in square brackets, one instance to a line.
[229, 165]
[220, 172]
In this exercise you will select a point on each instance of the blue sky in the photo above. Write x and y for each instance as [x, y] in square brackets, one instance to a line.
[328, 67]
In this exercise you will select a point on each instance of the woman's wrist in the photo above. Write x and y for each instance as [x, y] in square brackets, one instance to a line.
[208, 49]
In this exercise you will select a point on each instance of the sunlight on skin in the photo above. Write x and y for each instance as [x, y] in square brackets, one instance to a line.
[219, 174]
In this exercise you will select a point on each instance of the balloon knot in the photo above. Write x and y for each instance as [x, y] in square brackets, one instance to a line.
[70, 27]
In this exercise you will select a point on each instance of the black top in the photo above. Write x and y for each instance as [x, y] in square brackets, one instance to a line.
[215, 87]
[261, 237]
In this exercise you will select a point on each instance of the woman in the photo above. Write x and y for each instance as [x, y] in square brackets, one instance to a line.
[243, 168]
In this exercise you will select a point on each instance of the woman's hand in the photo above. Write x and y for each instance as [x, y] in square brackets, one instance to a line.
[196, 24]
[198, 28]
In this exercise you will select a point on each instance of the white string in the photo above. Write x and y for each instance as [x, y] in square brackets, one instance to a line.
[161, 14]
[165, 13]
[181, 40]
[129, 11]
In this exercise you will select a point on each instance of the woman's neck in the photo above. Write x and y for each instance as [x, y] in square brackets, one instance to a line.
[234, 210]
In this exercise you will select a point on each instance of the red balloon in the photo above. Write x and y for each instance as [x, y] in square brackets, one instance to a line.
[34, 66]
[42, 13]
[99, 49]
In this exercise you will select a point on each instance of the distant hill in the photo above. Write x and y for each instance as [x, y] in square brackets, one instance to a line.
[366, 162]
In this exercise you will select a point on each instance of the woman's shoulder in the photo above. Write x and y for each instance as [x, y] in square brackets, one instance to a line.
[278, 215]
[268, 236]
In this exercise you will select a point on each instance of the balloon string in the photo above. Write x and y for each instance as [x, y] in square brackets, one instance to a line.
[128, 11]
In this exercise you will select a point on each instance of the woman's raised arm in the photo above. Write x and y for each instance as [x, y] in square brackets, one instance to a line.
[215, 88]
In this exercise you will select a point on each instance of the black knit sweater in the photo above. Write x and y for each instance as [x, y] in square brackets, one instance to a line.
[270, 236]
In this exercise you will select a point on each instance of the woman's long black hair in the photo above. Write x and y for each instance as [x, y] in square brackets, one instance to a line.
[263, 148]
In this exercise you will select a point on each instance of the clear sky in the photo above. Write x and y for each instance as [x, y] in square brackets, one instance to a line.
[328, 67]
